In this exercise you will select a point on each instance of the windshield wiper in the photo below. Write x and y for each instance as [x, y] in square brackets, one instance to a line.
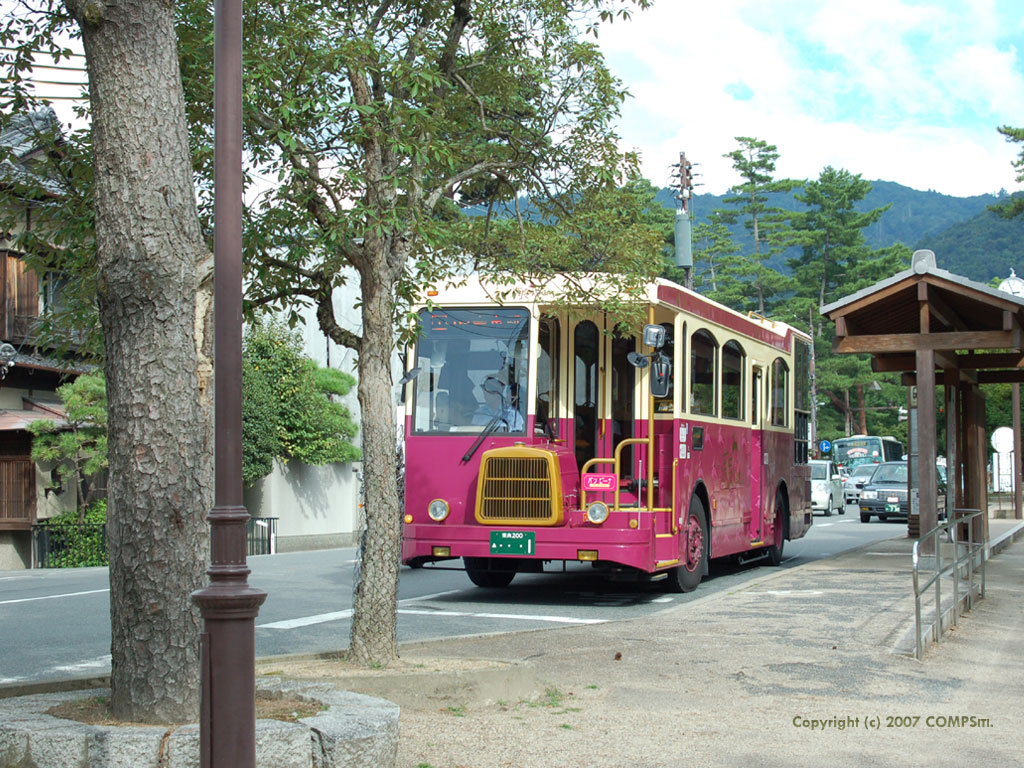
[491, 426]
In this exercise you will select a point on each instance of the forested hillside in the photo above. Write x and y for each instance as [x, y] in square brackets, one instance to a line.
[967, 238]
[981, 248]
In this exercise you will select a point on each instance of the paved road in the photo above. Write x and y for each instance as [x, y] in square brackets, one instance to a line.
[55, 622]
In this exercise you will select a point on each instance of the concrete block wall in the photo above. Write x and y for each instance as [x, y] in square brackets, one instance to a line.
[317, 506]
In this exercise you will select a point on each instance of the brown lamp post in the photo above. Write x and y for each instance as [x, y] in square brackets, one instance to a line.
[227, 719]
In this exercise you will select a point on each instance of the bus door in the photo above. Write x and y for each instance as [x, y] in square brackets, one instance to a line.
[586, 389]
[621, 422]
[755, 513]
[603, 390]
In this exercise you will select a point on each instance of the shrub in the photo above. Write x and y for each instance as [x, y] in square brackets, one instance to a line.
[78, 544]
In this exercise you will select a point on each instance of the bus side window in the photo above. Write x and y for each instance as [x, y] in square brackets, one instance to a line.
[664, 405]
[755, 388]
[779, 393]
[703, 373]
[546, 406]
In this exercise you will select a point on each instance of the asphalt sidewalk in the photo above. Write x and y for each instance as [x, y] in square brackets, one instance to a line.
[800, 667]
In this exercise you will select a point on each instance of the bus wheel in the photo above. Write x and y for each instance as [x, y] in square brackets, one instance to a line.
[779, 535]
[687, 575]
[480, 574]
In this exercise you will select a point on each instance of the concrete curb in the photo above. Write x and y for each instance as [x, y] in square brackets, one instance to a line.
[1005, 539]
[355, 730]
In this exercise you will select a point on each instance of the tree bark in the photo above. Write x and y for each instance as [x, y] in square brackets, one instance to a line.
[148, 244]
[862, 411]
[375, 607]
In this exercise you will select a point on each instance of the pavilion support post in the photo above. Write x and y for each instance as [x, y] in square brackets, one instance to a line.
[974, 455]
[1017, 490]
[926, 445]
[979, 459]
[953, 472]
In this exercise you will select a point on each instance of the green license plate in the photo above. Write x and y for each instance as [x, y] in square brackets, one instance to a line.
[513, 543]
[892, 507]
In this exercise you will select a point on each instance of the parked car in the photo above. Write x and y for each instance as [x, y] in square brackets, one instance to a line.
[885, 495]
[826, 487]
[856, 481]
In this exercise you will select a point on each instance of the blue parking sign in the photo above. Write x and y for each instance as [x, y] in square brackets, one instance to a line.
[824, 446]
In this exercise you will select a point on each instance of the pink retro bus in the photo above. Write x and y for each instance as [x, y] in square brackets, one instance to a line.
[535, 435]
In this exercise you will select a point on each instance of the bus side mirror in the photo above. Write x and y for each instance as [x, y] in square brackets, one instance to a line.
[661, 376]
[654, 336]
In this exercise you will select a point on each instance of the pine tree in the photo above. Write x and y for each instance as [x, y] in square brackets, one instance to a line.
[835, 261]
[1014, 206]
[754, 160]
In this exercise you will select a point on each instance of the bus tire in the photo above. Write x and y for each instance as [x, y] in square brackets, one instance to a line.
[779, 534]
[477, 568]
[694, 559]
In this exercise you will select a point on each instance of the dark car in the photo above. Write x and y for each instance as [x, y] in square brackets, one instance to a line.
[885, 495]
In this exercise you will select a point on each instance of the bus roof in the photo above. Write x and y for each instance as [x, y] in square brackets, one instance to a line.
[471, 290]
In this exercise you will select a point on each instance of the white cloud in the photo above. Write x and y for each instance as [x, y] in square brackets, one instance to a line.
[900, 91]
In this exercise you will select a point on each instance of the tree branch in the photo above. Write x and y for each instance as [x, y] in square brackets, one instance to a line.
[460, 18]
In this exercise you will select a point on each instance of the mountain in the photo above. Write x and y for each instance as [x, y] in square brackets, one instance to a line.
[967, 238]
[983, 247]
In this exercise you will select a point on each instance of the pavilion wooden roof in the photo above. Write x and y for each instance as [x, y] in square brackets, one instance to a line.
[973, 328]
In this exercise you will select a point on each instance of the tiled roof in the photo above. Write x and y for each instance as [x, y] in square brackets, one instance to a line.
[11, 420]
[21, 137]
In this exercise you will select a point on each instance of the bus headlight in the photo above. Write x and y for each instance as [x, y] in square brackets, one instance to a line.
[438, 510]
[597, 512]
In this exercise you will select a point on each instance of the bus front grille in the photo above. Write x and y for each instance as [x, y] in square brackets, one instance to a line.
[518, 489]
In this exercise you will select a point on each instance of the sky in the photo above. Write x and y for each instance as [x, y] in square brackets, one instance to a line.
[893, 90]
[910, 91]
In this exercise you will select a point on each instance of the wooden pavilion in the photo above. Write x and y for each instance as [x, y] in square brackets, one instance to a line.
[936, 327]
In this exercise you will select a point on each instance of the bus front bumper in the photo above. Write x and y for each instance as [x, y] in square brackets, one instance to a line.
[629, 547]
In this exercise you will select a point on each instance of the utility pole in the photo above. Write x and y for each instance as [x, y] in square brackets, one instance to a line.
[683, 224]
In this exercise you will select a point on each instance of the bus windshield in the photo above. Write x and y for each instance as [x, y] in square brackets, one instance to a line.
[473, 370]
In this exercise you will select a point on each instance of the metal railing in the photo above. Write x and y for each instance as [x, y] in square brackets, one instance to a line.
[961, 559]
[261, 536]
[72, 545]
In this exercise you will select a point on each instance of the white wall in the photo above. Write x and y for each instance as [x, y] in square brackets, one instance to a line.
[317, 506]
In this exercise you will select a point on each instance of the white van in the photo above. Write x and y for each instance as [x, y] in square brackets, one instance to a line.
[826, 487]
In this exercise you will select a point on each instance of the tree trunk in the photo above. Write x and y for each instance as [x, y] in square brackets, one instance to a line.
[374, 618]
[862, 411]
[148, 244]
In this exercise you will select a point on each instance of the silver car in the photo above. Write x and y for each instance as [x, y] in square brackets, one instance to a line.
[855, 482]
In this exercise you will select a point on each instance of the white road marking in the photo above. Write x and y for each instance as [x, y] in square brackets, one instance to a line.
[306, 621]
[84, 666]
[431, 597]
[322, 618]
[788, 592]
[53, 597]
[519, 616]
[662, 600]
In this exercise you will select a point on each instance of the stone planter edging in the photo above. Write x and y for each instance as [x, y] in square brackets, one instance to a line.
[355, 730]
